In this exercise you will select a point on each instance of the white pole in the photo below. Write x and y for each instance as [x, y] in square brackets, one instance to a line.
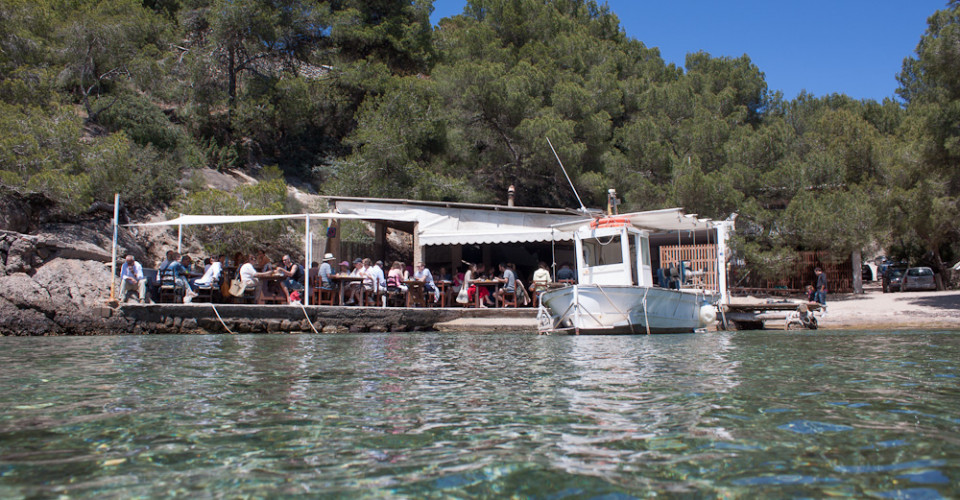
[113, 253]
[306, 268]
[180, 237]
[724, 229]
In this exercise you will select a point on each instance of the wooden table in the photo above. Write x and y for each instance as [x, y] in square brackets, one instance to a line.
[479, 283]
[343, 281]
[266, 295]
[415, 293]
[444, 286]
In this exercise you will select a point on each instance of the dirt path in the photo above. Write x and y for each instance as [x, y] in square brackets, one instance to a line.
[877, 310]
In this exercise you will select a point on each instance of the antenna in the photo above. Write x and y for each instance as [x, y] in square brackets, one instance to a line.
[582, 208]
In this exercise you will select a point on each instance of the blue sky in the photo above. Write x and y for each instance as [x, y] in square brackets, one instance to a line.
[853, 47]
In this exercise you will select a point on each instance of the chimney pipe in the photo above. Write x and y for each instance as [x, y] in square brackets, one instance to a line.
[511, 192]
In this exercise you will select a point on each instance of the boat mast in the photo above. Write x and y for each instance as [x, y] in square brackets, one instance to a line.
[555, 155]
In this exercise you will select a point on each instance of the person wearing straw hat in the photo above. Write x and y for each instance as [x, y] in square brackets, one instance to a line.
[325, 271]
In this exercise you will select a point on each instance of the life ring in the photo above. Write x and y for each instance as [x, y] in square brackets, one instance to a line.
[609, 222]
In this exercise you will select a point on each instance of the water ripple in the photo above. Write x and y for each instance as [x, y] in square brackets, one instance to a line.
[431, 416]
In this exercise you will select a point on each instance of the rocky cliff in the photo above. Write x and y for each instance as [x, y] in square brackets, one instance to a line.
[55, 282]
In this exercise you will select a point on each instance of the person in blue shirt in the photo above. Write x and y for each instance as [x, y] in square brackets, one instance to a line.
[509, 281]
[180, 275]
[423, 274]
[131, 278]
[566, 273]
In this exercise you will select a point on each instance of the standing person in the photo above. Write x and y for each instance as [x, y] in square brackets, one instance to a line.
[509, 280]
[821, 295]
[131, 278]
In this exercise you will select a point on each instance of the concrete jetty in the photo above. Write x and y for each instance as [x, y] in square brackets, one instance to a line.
[203, 318]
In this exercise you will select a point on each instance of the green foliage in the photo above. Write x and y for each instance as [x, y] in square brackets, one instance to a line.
[267, 197]
[144, 123]
[929, 195]
[365, 98]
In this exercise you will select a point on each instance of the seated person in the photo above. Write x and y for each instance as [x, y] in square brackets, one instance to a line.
[376, 274]
[212, 274]
[423, 274]
[180, 275]
[250, 278]
[395, 278]
[293, 276]
[357, 288]
[473, 289]
[565, 273]
[541, 278]
[131, 278]
[509, 281]
[170, 257]
[325, 271]
[444, 275]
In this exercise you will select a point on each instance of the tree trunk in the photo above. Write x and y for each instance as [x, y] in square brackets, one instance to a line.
[857, 260]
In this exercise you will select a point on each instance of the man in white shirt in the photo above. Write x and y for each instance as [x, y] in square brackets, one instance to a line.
[326, 270]
[379, 280]
[131, 278]
[212, 274]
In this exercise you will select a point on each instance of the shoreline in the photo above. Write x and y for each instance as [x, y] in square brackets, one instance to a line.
[875, 310]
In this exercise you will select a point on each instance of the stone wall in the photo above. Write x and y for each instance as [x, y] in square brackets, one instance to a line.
[243, 318]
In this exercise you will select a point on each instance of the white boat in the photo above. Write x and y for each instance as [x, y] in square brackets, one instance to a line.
[615, 292]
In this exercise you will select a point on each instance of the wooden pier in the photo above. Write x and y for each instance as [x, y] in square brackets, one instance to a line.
[755, 316]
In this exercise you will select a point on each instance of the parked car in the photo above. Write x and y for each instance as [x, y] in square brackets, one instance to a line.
[918, 278]
[868, 271]
[891, 279]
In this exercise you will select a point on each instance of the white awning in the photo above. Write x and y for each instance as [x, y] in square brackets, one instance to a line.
[439, 225]
[657, 221]
[206, 220]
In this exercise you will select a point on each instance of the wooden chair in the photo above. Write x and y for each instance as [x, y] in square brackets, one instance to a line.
[323, 297]
[170, 291]
[205, 293]
[507, 299]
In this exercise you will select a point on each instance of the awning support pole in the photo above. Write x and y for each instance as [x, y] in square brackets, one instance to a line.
[180, 237]
[553, 256]
[113, 252]
[306, 267]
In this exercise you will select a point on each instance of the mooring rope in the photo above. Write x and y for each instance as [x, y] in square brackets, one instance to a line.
[227, 328]
[305, 315]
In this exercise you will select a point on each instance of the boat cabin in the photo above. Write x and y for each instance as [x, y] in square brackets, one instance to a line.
[611, 251]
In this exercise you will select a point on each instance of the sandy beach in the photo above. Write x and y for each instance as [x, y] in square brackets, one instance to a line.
[875, 310]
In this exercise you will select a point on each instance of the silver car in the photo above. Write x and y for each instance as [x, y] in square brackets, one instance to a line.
[918, 278]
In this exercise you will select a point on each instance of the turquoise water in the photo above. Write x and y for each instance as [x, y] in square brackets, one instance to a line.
[735, 415]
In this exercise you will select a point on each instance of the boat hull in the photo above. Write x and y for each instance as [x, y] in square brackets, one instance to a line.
[594, 309]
